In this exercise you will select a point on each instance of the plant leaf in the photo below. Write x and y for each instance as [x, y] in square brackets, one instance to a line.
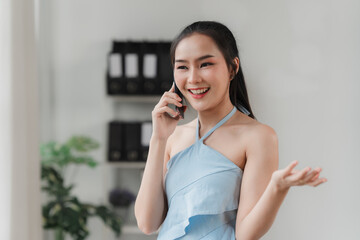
[82, 143]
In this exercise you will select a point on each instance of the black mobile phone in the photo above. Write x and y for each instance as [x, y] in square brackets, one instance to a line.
[181, 110]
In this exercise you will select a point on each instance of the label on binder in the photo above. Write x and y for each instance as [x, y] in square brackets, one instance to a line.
[115, 65]
[149, 68]
[131, 65]
[146, 131]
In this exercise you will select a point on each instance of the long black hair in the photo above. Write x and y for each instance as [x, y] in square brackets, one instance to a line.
[225, 41]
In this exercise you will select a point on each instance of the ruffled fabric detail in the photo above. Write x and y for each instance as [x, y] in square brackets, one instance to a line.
[183, 171]
[205, 207]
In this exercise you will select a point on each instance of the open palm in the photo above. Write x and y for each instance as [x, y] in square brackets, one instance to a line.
[288, 177]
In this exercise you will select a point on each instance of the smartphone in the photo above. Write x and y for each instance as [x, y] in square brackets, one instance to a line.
[181, 110]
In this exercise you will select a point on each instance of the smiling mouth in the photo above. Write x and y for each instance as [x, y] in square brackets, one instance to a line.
[199, 91]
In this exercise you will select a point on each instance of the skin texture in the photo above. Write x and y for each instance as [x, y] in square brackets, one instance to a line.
[251, 145]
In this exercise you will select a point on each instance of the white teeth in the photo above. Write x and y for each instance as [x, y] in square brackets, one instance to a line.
[199, 91]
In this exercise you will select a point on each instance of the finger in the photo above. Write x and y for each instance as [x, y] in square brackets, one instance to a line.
[169, 99]
[165, 109]
[172, 95]
[315, 177]
[290, 167]
[177, 117]
[317, 182]
[172, 89]
[298, 178]
[311, 175]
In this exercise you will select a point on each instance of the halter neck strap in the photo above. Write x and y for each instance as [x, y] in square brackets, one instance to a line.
[221, 122]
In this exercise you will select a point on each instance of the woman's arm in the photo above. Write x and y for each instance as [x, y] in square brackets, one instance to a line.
[263, 188]
[151, 203]
[257, 206]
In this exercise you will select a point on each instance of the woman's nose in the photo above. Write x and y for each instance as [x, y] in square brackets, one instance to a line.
[194, 76]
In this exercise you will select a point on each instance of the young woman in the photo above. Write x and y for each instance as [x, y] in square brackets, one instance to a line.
[215, 177]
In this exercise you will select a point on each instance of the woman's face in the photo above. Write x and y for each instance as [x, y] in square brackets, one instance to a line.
[201, 72]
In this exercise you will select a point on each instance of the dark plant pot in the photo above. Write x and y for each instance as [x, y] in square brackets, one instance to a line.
[123, 213]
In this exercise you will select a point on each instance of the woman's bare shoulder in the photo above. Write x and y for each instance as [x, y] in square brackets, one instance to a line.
[258, 134]
[248, 135]
[251, 130]
[261, 130]
[252, 126]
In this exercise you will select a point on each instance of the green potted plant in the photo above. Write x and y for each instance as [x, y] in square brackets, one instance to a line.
[63, 212]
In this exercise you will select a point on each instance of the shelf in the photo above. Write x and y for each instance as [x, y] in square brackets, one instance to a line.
[133, 229]
[130, 229]
[136, 165]
[136, 98]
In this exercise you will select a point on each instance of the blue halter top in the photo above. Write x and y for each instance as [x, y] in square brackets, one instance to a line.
[203, 189]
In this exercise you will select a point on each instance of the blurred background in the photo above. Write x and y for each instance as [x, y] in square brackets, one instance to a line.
[301, 65]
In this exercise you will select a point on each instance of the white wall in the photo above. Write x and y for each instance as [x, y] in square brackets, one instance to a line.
[299, 59]
[19, 134]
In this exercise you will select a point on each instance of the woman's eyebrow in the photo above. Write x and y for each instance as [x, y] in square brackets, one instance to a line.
[199, 59]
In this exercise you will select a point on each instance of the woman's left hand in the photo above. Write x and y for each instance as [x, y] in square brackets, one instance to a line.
[288, 177]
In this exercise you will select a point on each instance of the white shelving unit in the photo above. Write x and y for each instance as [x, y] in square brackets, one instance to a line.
[136, 98]
[129, 232]
[131, 165]
[133, 229]
[124, 174]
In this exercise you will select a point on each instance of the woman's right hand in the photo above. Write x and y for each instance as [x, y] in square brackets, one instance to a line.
[288, 177]
[163, 123]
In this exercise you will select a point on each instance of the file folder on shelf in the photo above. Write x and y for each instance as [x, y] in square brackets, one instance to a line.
[139, 68]
[150, 68]
[116, 142]
[129, 141]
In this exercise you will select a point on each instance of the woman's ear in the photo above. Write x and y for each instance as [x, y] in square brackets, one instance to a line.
[235, 71]
[237, 63]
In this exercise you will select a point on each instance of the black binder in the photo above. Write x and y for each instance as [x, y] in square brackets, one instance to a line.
[132, 68]
[115, 69]
[116, 149]
[146, 131]
[132, 142]
[165, 71]
[150, 68]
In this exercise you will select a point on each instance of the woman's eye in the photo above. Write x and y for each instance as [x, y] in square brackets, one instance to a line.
[206, 64]
[181, 67]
